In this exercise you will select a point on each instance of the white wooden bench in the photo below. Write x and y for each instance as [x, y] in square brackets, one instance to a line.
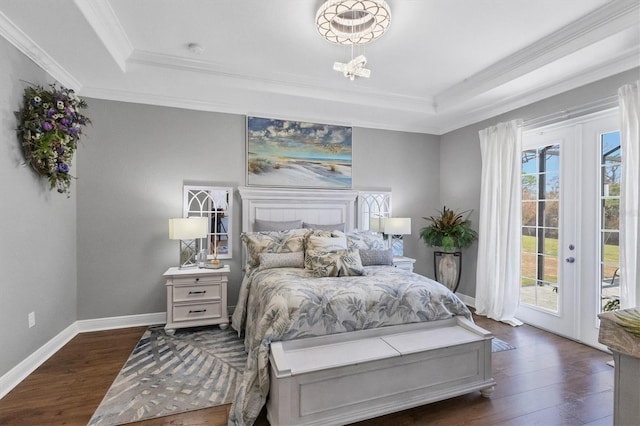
[346, 377]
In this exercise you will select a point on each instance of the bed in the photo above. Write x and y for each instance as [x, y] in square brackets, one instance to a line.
[290, 293]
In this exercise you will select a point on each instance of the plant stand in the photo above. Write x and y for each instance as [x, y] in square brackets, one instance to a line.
[448, 268]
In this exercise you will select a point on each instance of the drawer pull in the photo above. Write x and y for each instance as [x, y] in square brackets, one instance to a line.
[199, 311]
[197, 279]
[198, 292]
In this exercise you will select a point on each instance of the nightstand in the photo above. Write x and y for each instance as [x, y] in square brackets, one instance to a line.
[403, 262]
[196, 297]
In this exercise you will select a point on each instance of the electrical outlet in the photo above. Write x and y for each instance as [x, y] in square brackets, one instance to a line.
[32, 319]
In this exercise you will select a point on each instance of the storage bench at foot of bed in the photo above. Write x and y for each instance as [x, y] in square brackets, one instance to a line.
[347, 377]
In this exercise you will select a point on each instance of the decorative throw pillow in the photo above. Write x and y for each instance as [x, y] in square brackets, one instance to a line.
[365, 240]
[317, 243]
[323, 241]
[272, 242]
[336, 227]
[272, 225]
[339, 263]
[282, 260]
[376, 257]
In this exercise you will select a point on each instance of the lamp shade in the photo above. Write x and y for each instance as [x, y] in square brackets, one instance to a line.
[188, 228]
[397, 226]
[376, 224]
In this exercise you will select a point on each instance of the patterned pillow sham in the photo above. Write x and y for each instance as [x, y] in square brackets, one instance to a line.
[365, 240]
[282, 260]
[376, 257]
[272, 225]
[272, 242]
[336, 227]
[340, 263]
[323, 241]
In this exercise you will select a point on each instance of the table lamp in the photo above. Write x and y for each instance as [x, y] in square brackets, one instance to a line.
[396, 227]
[189, 230]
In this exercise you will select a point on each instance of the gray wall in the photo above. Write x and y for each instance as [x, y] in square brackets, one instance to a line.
[38, 232]
[131, 170]
[461, 164]
[408, 164]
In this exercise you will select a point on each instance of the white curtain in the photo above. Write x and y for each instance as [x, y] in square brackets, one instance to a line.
[498, 270]
[629, 99]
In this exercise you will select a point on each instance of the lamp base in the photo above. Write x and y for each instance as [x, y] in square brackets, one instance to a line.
[397, 245]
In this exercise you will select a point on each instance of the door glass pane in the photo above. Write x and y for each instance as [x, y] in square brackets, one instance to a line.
[552, 158]
[540, 220]
[552, 186]
[551, 242]
[551, 213]
[529, 213]
[529, 187]
[611, 213]
[611, 169]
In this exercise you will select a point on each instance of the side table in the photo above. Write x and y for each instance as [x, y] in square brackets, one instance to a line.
[196, 297]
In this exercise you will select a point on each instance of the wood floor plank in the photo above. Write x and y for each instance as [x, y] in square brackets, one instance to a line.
[546, 380]
[67, 388]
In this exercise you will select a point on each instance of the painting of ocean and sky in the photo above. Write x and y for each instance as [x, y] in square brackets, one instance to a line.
[293, 153]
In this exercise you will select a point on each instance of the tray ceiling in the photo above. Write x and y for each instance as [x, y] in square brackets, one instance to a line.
[441, 65]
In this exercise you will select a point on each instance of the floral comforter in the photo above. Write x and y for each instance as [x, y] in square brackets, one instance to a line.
[288, 303]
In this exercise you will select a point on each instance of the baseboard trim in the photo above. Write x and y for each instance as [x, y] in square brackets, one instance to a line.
[112, 323]
[468, 300]
[13, 377]
[17, 374]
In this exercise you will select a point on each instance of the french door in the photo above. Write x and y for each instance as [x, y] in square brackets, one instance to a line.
[570, 206]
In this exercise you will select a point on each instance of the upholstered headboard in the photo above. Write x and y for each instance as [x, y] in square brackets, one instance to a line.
[318, 206]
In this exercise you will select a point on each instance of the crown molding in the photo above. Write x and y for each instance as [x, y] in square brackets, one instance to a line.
[101, 17]
[421, 126]
[623, 62]
[284, 84]
[601, 23]
[33, 51]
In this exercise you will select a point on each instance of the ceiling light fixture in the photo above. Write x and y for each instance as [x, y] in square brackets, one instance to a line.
[353, 23]
[349, 22]
[354, 68]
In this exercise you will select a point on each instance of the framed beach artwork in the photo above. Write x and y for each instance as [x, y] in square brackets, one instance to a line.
[298, 154]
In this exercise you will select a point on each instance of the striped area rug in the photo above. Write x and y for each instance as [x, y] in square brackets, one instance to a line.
[498, 345]
[194, 369]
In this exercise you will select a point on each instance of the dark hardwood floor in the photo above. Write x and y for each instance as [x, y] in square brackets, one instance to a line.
[546, 380]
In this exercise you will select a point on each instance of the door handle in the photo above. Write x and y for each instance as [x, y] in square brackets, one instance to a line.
[570, 259]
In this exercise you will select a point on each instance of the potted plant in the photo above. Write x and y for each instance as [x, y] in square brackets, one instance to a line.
[451, 230]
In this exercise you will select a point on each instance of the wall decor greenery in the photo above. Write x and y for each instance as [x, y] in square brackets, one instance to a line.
[50, 126]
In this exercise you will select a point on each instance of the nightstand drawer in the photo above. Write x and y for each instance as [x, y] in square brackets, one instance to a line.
[200, 311]
[207, 280]
[197, 292]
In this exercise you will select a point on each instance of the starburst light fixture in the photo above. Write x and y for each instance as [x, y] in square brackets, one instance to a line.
[353, 23]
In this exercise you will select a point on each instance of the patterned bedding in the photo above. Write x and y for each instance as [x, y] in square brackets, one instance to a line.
[289, 303]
